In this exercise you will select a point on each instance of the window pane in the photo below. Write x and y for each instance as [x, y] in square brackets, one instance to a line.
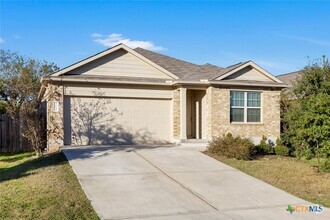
[237, 115]
[253, 99]
[236, 98]
[253, 115]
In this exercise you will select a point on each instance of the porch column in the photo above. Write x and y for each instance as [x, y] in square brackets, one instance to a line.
[183, 113]
[198, 118]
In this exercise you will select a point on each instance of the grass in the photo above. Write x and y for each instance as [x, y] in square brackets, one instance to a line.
[297, 177]
[41, 188]
[8, 160]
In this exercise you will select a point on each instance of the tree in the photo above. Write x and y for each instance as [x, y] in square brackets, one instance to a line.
[315, 79]
[307, 117]
[19, 87]
[3, 108]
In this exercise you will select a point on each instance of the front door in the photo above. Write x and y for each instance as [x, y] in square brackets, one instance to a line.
[191, 114]
[195, 110]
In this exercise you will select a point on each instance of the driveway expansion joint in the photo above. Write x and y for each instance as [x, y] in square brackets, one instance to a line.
[189, 190]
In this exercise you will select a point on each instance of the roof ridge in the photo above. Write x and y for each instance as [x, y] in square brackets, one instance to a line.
[192, 72]
[204, 66]
[210, 64]
[289, 73]
[235, 64]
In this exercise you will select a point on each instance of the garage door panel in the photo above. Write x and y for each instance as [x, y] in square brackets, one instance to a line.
[118, 121]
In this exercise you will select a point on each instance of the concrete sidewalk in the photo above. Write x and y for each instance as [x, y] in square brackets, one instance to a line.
[150, 182]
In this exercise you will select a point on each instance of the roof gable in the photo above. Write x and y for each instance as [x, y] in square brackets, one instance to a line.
[248, 71]
[119, 60]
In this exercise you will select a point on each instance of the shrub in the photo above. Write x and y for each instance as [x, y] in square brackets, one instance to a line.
[263, 147]
[308, 154]
[232, 147]
[280, 149]
[325, 165]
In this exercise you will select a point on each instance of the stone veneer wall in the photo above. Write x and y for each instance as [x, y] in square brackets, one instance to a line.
[55, 133]
[176, 114]
[219, 99]
[209, 118]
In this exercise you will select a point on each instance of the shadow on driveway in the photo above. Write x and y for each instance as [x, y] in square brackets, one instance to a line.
[97, 151]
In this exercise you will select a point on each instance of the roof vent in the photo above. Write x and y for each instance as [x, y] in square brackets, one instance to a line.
[204, 80]
[168, 81]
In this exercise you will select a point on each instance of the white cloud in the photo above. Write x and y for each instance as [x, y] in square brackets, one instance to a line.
[96, 35]
[114, 39]
[2, 41]
[308, 40]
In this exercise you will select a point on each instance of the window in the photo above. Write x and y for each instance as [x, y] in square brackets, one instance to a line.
[245, 106]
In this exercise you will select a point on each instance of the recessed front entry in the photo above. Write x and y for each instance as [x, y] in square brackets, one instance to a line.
[196, 110]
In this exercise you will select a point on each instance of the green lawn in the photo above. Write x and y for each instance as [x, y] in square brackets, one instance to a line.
[297, 177]
[41, 188]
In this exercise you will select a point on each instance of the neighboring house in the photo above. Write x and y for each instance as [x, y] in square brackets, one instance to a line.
[290, 78]
[132, 96]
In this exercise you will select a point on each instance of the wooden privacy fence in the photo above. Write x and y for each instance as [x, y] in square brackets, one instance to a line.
[11, 139]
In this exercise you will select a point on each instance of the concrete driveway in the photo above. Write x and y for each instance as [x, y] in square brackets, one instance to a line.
[175, 183]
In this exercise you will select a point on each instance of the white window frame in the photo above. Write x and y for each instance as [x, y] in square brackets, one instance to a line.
[246, 107]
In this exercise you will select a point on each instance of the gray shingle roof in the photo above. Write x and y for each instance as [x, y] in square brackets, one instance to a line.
[178, 67]
[210, 72]
[186, 70]
[205, 71]
[289, 78]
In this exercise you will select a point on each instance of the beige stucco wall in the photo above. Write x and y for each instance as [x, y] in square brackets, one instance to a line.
[219, 115]
[130, 91]
[249, 73]
[120, 63]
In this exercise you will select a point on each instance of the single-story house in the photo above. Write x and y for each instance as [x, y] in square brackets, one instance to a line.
[135, 96]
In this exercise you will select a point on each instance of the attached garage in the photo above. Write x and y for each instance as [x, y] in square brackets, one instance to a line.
[92, 118]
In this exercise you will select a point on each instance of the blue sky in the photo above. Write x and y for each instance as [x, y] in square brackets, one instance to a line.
[279, 36]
